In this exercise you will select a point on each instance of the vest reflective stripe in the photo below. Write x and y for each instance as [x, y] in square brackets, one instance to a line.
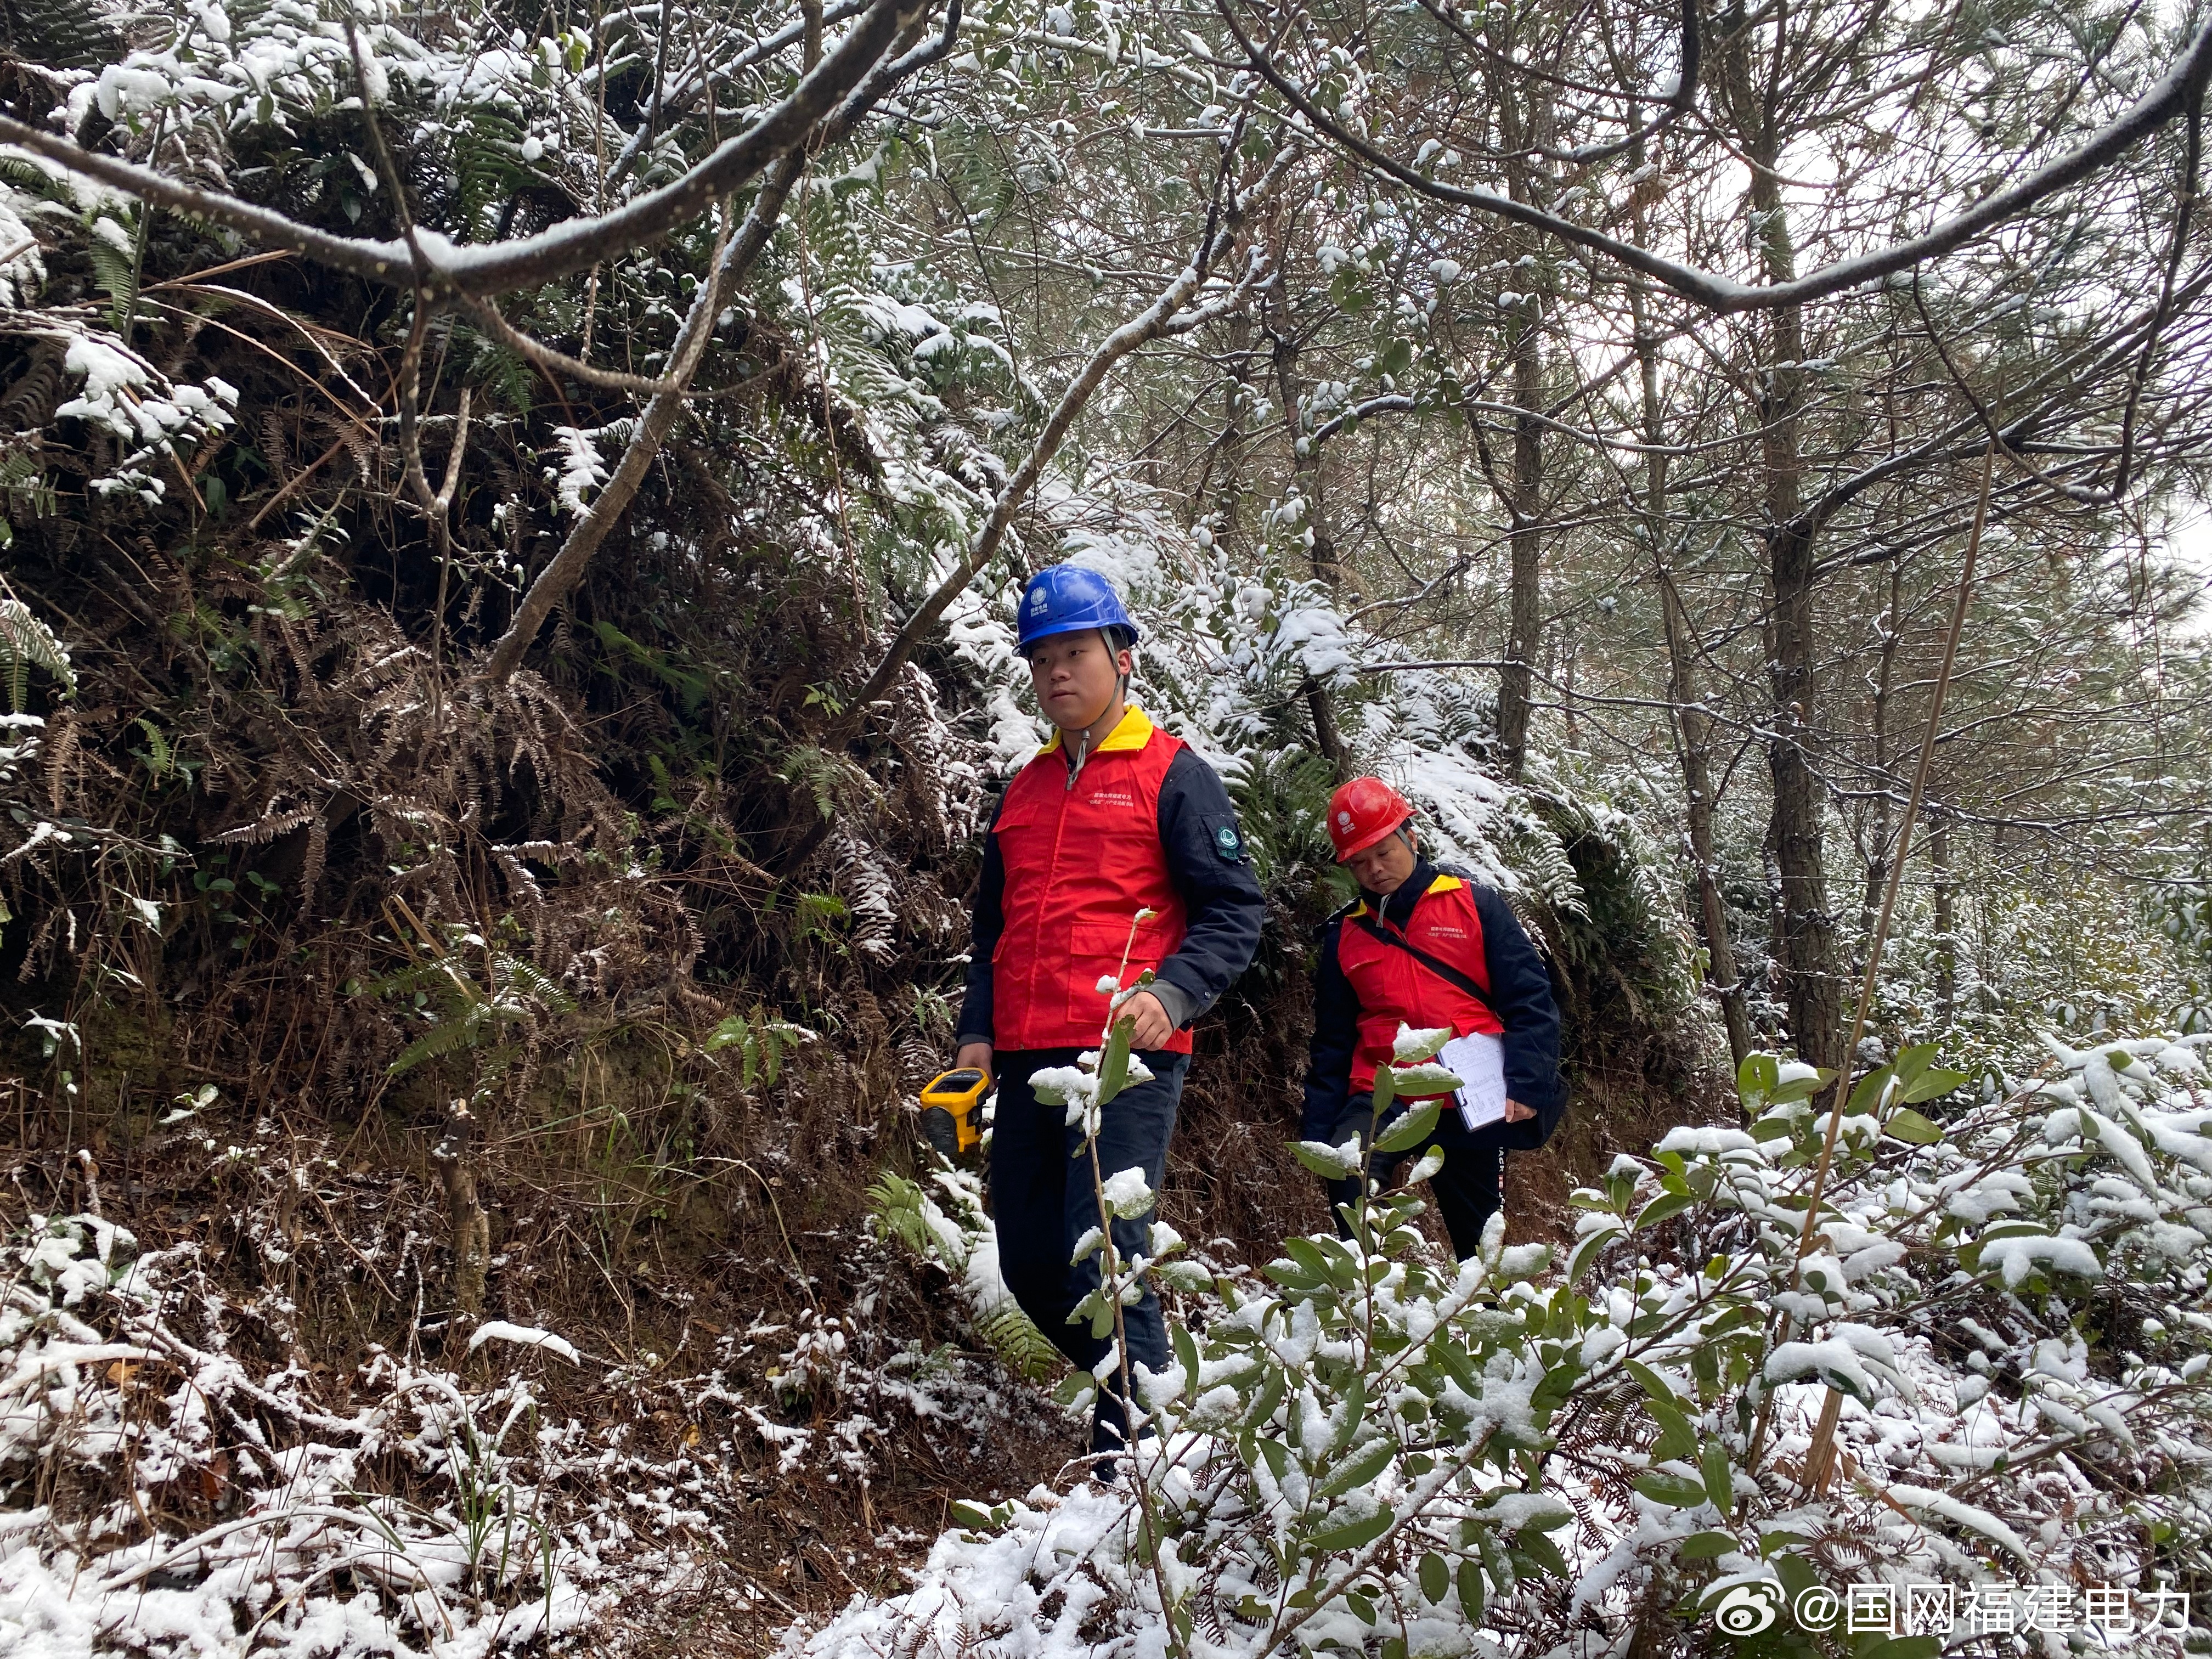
[1080, 862]
[1393, 987]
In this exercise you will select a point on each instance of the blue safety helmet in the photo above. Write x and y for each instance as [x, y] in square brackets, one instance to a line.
[1066, 598]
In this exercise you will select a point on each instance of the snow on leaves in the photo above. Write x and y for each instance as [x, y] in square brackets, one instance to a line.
[1367, 1443]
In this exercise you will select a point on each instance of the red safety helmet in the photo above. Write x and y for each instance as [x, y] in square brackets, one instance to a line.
[1362, 813]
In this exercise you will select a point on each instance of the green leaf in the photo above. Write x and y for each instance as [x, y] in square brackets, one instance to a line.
[1397, 357]
[1268, 1401]
[1351, 1534]
[1436, 1578]
[1867, 1092]
[1470, 1590]
[1542, 1551]
[1114, 1066]
[1932, 1085]
[1409, 1131]
[1428, 1078]
[1676, 1437]
[1911, 1060]
[971, 1515]
[1186, 1352]
[1661, 1207]
[1355, 1413]
[1308, 1254]
[1360, 1471]
[1651, 1382]
[1586, 1249]
[1677, 1491]
[1552, 1388]
[1720, 1476]
[1801, 1088]
[1415, 1046]
[1796, 1575]
[1323, 1160]
[1755, 1078]
[1909, 1126]
[1386, 1089]
[1705, 1546]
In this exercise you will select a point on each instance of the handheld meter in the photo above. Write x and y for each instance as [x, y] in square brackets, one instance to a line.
[951, 1110]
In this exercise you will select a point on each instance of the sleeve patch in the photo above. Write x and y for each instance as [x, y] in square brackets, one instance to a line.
[1228, 842]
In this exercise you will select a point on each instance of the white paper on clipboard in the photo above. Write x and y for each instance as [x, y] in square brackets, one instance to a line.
[1478, 1061]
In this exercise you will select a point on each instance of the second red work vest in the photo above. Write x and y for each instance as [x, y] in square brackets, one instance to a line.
[1082, 856]
[1395, 987]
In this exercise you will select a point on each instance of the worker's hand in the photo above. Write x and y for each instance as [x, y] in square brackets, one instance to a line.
[1516, 1113]
[1153, 1027]
[973, 1055]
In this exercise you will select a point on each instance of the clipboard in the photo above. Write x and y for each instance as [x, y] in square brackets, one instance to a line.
[1478, 1060]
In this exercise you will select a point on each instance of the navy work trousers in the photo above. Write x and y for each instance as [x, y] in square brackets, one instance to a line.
[1042, 1202]
[1469, 1190]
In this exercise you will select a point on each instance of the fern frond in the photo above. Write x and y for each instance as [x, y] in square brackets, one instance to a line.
[27, 643]
[1017, 1339]
[463, 1032]
[533, 983]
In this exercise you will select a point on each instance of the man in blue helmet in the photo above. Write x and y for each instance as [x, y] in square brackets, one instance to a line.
[1112, 817]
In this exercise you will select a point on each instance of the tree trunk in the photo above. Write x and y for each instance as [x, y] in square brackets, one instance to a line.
[1878, 851]
[1812, 986]
[1519, 126]
[1305, 456]
[465, 1213]
[1524, 602]
[1947, 922]
[1693, 721]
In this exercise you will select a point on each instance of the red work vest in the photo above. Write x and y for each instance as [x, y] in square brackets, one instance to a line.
[1082, 857]
[1394, 987]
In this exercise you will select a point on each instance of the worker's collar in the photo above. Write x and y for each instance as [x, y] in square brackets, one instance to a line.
[1132, 730]
[1398, 908]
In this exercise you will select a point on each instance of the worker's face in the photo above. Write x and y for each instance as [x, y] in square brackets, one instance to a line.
[1076, 677]
[1382, 868]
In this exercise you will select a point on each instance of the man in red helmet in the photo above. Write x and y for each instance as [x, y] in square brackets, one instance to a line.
[1426, 947]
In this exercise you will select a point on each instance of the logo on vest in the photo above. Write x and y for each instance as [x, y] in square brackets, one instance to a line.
[1112, 797]
[1447, 932]
[1228, 844]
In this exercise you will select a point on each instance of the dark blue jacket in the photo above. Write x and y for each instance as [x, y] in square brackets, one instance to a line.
[1520, 992]
[1212, 875]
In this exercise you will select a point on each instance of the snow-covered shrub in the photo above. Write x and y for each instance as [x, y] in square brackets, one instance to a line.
[1973, 1390]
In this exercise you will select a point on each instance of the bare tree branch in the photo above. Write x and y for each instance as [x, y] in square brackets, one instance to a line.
[1147, 326]
[528, 261]
[2179, 90]
[555, 582]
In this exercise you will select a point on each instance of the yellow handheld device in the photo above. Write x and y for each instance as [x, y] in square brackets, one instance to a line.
[950, 1113]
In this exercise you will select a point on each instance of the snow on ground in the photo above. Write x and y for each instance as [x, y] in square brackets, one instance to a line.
[176, 1478]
